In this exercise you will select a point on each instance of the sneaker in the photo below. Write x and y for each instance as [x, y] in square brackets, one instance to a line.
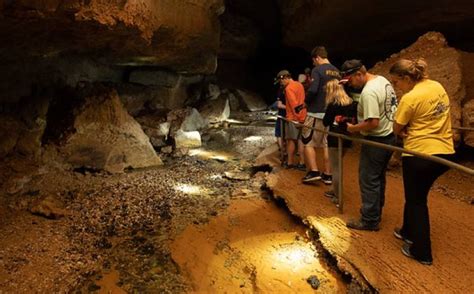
[301, 167]
[407, 253]
[361, 225]
[312, 176]
[398, 234]
[330, 194]
[327, 179]
[335, 201]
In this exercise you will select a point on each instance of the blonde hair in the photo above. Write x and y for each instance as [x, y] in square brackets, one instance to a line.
[336, 94]
[415, 69]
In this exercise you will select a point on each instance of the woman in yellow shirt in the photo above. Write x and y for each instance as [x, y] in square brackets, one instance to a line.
[423, 121]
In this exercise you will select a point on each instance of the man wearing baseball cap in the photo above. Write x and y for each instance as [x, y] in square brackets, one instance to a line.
[376, 108]
[294, 97]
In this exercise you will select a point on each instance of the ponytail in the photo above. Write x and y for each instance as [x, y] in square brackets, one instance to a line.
[416, 69]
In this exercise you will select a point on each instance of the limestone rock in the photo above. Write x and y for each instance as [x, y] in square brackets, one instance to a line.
[213, 92]
[154, 78]
[131, 32]
[216, 111]
[49, 208]
[220, 137]
[468, 122]
[194, 121]
[251, 101]
[187, 139]
[444, 66]
[237, 175]
[107, 137]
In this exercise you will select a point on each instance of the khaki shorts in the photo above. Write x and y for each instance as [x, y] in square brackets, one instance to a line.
[291, 131]
[312, 138]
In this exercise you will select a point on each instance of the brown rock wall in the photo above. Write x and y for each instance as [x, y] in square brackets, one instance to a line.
[444, 66]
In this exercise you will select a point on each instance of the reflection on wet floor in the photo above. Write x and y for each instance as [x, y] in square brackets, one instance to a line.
[253, 246]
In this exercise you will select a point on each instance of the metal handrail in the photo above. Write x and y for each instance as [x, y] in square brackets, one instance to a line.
[463, 129]
[380, 145]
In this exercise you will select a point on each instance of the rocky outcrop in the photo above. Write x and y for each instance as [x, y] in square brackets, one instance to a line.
[468, 103]
[106, 137]
[250, 101]
[444, 66]
[141, 32]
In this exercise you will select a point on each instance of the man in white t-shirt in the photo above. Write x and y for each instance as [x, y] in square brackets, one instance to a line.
[375, 113]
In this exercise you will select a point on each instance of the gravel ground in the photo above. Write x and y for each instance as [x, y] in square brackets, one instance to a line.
[62, 230]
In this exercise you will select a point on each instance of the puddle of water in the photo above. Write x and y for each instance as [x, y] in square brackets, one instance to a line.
[108, 283]
[253, 246]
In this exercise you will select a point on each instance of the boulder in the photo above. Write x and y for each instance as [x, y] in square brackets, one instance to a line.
[213, 92]
[158, 135]
[106, 137]
[251, 101]
[187, 139]
[217, 110]
[194, 121]
[49, 208]
[444, 66]
[220, 137]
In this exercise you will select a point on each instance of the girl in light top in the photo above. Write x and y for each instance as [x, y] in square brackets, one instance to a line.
[423, 121]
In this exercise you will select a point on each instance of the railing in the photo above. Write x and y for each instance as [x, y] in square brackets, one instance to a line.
[340, 137]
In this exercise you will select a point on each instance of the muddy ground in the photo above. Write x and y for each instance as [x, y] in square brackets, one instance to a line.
[152, 231]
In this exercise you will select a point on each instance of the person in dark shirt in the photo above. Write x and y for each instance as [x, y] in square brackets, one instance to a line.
[340, 110]
[315, 102]
[279, 126]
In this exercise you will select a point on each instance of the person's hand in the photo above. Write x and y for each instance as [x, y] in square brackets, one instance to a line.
[351, 128]
[403, 134]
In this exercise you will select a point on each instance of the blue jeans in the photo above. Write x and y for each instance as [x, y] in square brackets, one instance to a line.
[372, 166]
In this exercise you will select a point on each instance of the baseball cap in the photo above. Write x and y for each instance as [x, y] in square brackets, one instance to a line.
[281, 74]
[349, 67]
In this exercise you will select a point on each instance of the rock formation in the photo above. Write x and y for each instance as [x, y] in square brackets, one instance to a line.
[104, 136]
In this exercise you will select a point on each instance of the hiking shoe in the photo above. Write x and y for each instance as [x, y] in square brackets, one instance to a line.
[312, 176]
[398, 234]
[330, 194]
[407, 253]
[327, 179]
[361, 225]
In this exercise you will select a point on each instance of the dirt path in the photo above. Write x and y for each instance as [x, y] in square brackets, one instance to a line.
[375, 257]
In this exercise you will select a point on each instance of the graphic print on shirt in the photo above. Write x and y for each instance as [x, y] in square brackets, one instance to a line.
[441, 108]
[390, 102]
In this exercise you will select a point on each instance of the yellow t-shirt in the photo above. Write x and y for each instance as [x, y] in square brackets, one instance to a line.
[425, 112]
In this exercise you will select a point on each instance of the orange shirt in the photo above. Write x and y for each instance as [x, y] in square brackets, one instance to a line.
[294, 95]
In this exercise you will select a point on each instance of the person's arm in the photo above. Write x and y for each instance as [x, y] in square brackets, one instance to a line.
[399, 130]
[371, 114]
[280, 105]
[366, 125]
[403, 115]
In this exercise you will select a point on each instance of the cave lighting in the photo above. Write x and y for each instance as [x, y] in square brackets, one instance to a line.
[253, 139]
[188, 189]
[293, 256]
[208, 154]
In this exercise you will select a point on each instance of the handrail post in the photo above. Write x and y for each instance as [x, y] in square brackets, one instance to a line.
[340, 175]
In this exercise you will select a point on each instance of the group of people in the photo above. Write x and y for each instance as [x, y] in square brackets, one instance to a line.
[421, 118]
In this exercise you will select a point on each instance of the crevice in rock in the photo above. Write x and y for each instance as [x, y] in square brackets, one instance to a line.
[355, 284]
